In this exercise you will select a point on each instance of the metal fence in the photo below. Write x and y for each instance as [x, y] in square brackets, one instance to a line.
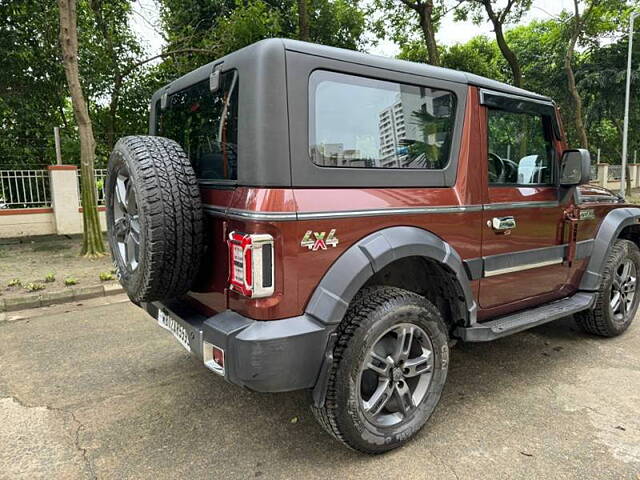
[24, 189]
[100, 174]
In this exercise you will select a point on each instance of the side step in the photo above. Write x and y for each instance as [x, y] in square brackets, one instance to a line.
[523, 320]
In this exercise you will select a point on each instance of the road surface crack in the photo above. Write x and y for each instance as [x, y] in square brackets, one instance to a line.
[445, 465]
[76, 441]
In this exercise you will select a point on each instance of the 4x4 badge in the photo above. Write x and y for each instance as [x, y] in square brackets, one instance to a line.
[318, 242]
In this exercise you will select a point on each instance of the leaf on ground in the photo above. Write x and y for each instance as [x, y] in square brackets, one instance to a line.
[294, 420]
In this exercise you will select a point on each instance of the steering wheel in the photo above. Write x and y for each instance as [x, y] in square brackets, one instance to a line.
[497, 168]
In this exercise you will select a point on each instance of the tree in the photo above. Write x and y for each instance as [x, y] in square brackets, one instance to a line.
[578, 22]
[511, 13]
[425, 18]
[303, 21]
[425, 11]
[92, 243]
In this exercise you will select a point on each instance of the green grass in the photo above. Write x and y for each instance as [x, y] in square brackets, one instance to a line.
[69, 281]
[50, 278]
[16, 282]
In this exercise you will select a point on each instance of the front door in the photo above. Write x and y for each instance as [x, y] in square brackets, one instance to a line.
[523, 220]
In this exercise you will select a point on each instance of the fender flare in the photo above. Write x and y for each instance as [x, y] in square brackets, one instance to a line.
[357, 264]
[371, 254]
[614, 222]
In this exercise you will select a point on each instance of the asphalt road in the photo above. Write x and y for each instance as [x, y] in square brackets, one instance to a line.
[101, 391]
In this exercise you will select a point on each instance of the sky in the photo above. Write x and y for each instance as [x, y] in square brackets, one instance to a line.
[145, 22]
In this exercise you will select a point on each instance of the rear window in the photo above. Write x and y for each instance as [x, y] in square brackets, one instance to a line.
[360, 122]
[206, 125]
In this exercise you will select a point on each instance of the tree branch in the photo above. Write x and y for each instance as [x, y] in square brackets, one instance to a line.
[131, 68]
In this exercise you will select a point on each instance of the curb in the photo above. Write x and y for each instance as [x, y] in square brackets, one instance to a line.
[63, 296]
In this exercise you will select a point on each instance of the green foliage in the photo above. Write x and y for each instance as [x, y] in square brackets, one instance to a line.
[480, 56]
[106, 276]
[50, 278]
[16, 282]
[70, 281]
[34, 287]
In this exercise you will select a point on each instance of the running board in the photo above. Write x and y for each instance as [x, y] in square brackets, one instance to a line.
[519, 321]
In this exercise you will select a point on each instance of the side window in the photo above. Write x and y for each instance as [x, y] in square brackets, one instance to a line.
[359, 122]
[205, 124]
[520, 149]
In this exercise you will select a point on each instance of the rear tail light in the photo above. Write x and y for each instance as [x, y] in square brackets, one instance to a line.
[251, 264]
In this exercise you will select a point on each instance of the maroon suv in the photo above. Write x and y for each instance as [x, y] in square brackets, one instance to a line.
[304, 217]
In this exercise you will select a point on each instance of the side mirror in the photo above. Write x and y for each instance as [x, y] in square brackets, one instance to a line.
[575, 168]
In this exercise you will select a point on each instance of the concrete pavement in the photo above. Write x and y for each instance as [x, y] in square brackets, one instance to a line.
[99, 391]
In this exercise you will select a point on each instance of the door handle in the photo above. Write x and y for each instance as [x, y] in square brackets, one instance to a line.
[503, 223]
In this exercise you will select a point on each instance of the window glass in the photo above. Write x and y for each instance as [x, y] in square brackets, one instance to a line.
[363, 123]
[205, 124]
[520, 149]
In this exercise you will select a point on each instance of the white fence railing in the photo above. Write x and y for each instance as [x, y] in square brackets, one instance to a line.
[24, 189]
[615, 173]
[101, 174]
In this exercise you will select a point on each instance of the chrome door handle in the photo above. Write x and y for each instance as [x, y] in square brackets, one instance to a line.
[503, 223]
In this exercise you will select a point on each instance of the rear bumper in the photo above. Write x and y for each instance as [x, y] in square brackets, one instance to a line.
[266, 356]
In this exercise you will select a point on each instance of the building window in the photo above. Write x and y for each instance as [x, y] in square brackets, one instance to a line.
[364, 123]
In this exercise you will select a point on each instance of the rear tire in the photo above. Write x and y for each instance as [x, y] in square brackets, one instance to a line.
[390, 365]
[617, 299]
[154, 218]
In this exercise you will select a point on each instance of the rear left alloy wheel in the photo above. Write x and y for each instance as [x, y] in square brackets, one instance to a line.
[390, 366]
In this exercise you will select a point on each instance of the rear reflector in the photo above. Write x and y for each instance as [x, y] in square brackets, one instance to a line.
[213, 358]
[251, 264]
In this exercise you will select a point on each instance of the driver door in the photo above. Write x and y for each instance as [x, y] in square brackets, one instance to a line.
[523, 220]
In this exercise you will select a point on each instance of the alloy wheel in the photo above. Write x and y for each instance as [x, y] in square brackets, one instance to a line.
[623, 290]
[126, 223]
[396, 374]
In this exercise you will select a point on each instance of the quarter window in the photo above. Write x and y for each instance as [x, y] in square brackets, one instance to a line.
[364, 123]
[205, 124]
[520, 149]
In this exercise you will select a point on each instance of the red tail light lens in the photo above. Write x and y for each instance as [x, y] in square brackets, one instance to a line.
[251, 264]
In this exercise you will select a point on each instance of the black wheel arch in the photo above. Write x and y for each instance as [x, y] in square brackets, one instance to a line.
[368, 258]
[618, 223]
[371, 255]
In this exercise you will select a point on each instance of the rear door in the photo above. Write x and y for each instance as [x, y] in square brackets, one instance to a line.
[522, 240]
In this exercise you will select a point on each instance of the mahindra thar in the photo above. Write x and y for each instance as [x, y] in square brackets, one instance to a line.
[306, 217]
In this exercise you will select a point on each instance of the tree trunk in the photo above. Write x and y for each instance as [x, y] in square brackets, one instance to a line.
[303, 21]
[508, 54]
[571, 79]
[425, 12]
[92, 242]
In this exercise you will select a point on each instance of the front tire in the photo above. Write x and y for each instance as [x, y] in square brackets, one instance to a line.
[617, 299]
[390, 365]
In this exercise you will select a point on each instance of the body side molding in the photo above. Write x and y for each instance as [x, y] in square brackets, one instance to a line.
[609, 230]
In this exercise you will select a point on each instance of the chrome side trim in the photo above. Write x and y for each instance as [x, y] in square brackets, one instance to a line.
[519, 268]
[389, 211]
[249, 214]
[289, 216]
[510, 205]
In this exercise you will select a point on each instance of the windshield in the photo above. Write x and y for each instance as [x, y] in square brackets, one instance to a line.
[205, 124]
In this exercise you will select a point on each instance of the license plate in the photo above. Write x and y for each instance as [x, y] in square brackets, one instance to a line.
[165, 321]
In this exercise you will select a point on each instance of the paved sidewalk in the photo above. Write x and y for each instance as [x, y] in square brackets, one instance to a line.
[99, 391]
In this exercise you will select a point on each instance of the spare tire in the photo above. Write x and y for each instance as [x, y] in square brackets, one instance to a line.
[154, 217]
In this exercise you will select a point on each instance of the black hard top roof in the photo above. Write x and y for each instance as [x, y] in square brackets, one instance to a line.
[264, 48]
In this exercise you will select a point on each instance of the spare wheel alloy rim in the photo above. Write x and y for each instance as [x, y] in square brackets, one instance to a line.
[126, 220]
